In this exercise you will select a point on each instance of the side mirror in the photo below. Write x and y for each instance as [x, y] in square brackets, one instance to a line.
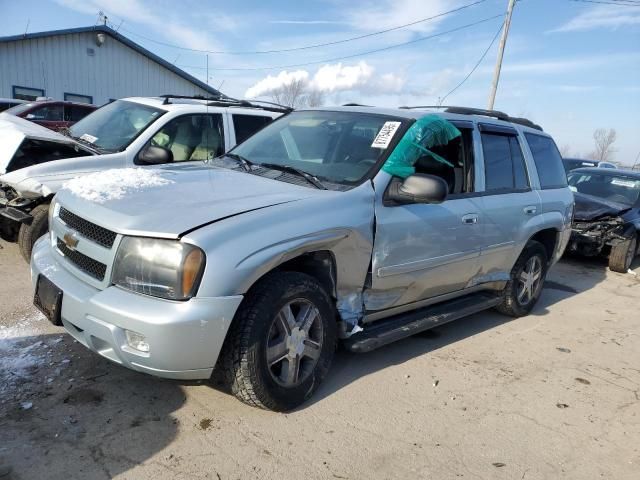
[417, 188]
[152, 155]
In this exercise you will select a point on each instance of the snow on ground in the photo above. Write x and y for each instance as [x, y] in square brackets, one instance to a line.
[100, 187]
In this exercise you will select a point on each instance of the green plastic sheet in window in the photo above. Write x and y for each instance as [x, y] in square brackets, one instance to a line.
[427, 132]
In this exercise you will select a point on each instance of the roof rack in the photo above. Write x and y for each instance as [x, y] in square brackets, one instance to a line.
[480, 111]
[224, 101]
[355, 105]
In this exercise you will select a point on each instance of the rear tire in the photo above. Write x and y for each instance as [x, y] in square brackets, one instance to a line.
[281, 342]
[527, 279]
[28, 234]
[622, 255]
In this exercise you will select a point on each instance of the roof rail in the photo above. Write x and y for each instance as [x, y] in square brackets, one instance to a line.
[355, 105]
[224, 101]
[480, 111]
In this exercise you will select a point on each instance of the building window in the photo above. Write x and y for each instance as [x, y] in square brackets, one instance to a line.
[74, 97]
[26, 93]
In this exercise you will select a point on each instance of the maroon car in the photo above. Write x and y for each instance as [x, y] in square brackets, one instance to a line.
[53, 114]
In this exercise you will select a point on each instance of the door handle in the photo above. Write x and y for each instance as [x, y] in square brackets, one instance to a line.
[470, 219]
[530, 210]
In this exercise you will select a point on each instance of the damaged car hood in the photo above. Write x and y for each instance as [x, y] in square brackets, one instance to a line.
[590, 208]
[168, 201]
[14, 130]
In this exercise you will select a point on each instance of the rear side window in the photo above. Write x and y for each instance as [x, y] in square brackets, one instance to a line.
[247, 125]
[548, 161]
[504, 168]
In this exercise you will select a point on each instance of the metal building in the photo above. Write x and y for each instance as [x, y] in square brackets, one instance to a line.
[89, 64]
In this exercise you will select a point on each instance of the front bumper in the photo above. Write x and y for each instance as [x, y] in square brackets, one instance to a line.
[185, 338]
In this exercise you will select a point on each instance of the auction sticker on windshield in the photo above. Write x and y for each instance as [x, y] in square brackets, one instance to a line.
[88, 138]
[385, 135]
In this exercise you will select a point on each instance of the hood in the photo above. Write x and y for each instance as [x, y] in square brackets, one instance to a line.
[24, 143]
[168, 201]
[590, 208]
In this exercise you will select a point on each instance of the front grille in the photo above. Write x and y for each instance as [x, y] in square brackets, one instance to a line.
[88, 265]
[89, 230]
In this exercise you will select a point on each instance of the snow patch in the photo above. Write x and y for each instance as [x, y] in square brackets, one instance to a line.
[100, 187]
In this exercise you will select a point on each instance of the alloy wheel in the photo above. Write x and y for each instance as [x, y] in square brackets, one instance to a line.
[529, 281]
[294, 343]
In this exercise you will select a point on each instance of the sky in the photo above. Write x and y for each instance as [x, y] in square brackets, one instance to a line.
[570, 66]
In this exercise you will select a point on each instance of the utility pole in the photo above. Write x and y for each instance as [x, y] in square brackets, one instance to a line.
[503, 41]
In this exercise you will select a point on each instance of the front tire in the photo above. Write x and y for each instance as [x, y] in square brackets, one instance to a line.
[281, 343]
[527, 279]
[622, 255]
[28, 234]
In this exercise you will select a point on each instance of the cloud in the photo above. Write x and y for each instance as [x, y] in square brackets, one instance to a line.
[569, 64]
[144, 13]
[272, 84]
[332, 78]
[601, 17]
[391, 13]
[306, 22]
[578, 88]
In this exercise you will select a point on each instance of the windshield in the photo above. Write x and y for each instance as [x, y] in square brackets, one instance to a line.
[616, 188]
[333, 146]
[114, 126]
[18, 109]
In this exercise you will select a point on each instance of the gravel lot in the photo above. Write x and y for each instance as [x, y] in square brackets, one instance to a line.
[553, 395]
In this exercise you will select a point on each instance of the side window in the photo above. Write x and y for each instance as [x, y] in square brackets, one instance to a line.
[504, 167]
[247, 125]
[192, 137]
[548, 161]
[74, 113]
[50, 113]
[458, 171]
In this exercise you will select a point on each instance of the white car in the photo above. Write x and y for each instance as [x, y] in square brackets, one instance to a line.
[35, 162]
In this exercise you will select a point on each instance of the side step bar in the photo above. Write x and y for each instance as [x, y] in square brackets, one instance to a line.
[404, 325]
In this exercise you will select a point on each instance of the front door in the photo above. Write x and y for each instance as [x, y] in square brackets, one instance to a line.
[422, 251]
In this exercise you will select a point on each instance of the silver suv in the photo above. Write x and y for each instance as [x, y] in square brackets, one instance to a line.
[352, 224]
[139, 131]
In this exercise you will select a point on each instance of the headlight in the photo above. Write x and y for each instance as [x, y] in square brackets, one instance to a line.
[161, 268]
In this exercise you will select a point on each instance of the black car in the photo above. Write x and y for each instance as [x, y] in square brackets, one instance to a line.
[607, 214]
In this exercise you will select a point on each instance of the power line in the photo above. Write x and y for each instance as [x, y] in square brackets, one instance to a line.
[609, 2]
[361, 54]
[307, 47]
[484, 54]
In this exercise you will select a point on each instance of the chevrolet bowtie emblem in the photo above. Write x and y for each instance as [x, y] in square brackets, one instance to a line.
[70, 240]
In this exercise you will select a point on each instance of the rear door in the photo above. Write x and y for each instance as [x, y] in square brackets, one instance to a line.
[509, 204]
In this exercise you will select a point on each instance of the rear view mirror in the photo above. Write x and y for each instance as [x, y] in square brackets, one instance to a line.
[417, 188]
[152, 155]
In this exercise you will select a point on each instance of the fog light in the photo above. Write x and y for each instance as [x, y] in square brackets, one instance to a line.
[137, 341]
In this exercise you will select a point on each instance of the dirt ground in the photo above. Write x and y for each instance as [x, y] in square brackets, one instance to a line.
[553, 395]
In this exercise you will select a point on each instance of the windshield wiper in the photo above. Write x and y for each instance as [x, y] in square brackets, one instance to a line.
[246, 164]
[312, 179]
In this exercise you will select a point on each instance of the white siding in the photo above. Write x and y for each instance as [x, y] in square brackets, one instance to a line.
[60, 64]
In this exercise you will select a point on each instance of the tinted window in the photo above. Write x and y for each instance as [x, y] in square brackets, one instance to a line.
[247, 125]
[75, 113]
[503, 163]
[613, 187]
[192, 137]
[548, 161]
